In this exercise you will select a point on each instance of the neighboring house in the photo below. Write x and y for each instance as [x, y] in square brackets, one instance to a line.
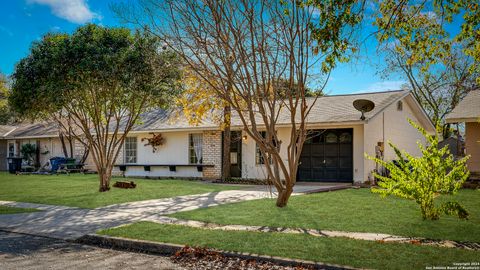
[4, 151]
[455, 144]
[334, 151]
[44, 135]
[468, 112]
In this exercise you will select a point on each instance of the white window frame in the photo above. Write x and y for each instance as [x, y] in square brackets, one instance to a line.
[11, 154]
[259, 159]
[192, 156]
[130, 147]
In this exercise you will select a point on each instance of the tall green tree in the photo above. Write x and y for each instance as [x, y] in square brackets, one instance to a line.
[6, 114]
[417, 46]
[102, 78]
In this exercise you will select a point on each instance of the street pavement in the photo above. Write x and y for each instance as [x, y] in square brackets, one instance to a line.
[27, 252]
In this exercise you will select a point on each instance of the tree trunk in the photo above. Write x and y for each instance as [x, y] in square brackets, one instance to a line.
[70, 143]
[283, 196]
[446, 132]
[104, 174]
[64, 146]
[85, 154]
[429, 211]
[227, 137]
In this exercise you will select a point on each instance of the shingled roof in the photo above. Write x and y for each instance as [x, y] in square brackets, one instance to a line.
[4, 130]
[327, 109]
[468, 110]
[35, 130]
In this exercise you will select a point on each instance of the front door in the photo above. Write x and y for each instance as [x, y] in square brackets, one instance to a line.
[327, 156]
[236, 154]
[3, 155]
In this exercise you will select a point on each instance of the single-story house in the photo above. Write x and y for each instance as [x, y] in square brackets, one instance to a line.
[334, 151]
[44, 135]
[468, 112]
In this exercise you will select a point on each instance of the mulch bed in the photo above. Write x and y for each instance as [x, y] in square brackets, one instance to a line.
[203, 258]
[241, 181]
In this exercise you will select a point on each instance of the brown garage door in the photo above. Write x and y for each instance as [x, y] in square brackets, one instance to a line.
[327, 156]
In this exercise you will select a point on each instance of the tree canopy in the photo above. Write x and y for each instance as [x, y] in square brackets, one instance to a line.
[102, 79]
[257, 58]
[6, 114]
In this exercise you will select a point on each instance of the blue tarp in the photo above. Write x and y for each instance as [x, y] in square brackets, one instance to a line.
[56, 161]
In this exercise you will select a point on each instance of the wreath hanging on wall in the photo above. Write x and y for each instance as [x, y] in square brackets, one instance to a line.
[155, 141]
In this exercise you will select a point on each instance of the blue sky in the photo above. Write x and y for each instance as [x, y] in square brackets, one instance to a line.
[24, 21]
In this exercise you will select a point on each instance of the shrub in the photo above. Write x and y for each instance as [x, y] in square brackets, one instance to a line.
[28, 152]
[425, 178]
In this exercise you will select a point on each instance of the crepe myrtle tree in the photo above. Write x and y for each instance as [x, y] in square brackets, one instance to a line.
[245, 51]
[424, 178]
[102, 78]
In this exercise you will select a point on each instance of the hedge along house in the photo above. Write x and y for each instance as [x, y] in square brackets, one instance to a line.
[468, 112]
[334, 151]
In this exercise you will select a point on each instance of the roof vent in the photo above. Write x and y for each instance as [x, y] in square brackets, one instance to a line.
[400, 106]
[363, 105]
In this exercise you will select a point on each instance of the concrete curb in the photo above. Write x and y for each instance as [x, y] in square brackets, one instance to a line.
[321, 190]
[167, 249]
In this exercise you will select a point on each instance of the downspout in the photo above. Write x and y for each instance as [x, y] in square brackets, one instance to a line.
[383, 131]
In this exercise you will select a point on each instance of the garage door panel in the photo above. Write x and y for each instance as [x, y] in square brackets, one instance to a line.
[345, 174]
[331, 149]
[331, 162]
[305, 174]
[306, 151]
[317, 174]
[331, 174]
[305, 162]
[345, 162]
[317, 162]
[328, 157]
[345, 150]
[316, 149]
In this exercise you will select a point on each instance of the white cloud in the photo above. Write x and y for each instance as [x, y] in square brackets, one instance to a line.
[76, 11]
[382, 86]
[6, 31]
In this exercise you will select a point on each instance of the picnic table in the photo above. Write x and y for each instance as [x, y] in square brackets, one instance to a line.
[68, 168]
[71, 167]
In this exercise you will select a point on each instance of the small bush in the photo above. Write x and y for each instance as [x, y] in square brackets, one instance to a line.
[425, 178]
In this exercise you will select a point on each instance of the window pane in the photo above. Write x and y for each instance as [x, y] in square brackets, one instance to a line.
[195, 148]
[331, 138]
[345, 137]
[131, 150]
[258, 153]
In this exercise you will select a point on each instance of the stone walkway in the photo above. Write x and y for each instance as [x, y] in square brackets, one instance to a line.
[380, 237]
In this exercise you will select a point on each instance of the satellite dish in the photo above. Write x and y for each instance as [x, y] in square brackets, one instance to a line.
[363, 105]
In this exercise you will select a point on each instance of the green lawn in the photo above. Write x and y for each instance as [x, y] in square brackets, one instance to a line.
[82, 190]
[15, 210]
[349, 210]
[357, 253]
